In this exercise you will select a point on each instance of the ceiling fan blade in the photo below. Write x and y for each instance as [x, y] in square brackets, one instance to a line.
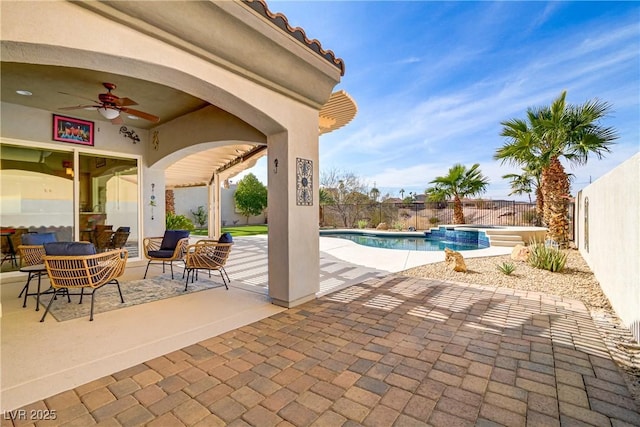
[78, 96]
[123, 102]
[140, 114]
[79, 107]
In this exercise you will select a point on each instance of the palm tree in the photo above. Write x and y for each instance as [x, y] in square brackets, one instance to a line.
[374, 193]
[459, 183]
[521, 184]
[550, 133]
[401, 193]
[527, 183]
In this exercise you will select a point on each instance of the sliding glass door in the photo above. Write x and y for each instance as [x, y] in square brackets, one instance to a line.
[108, 199]
[71, 193]
[36, 196]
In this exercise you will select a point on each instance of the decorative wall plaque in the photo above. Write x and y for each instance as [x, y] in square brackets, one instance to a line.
[304, 182]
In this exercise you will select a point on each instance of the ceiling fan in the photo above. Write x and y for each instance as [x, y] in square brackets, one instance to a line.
[110, 106]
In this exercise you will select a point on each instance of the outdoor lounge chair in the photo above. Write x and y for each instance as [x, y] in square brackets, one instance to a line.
[207, 255]
[166, 249]
[10, 243]
[31, 252]
[103, 240]
[119, 238]
[75, 265]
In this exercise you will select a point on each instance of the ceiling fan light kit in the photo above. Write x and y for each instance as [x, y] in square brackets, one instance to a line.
[108, 113]
[110, 106]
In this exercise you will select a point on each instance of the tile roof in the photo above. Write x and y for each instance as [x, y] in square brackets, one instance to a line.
[298, 33]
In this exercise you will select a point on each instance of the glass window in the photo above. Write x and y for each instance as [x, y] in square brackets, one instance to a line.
[37, 196]
[108, 200]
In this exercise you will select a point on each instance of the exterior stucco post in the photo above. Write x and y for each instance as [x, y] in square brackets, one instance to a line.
[294, 256]
[213, 191]
[153, 214]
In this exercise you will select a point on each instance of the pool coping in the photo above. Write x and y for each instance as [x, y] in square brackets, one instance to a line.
[394, 260]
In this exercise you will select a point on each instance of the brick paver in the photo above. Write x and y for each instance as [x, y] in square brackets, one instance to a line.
[396, 351]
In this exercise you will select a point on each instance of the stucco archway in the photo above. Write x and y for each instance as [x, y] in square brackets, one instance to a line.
[234, 57]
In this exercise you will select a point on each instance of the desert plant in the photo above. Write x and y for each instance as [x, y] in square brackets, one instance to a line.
[434, 220]
[459, 183]
[507, 267]
[397, 225]
[560, 131]
[547, 257]
[178, 222]
[362, 223]
[530, 217]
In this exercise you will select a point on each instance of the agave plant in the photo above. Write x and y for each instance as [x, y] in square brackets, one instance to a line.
[547, 257]
[507, 267]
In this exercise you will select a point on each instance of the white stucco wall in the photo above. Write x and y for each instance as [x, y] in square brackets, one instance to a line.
[188, 199]
[612, 233]
[228, 56]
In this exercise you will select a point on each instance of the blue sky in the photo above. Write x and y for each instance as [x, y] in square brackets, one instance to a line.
[433, 81]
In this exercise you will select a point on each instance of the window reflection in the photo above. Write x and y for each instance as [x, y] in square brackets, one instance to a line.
[108, 200]
[37, 196]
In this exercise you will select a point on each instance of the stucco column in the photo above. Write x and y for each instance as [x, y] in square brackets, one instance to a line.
[214, 207]
[153, 214]
[294, 256]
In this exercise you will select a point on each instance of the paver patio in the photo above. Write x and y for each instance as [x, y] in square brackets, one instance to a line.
[395, 351]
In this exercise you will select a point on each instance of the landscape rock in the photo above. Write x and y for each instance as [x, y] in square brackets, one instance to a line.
[454, 260]
[382, 226]
[520, 253]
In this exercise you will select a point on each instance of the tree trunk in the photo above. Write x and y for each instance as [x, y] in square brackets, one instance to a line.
[169, 201]
[539, 206]
[458, 214]
[555, 185]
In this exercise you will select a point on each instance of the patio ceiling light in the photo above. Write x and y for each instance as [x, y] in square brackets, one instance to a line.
[108, 113]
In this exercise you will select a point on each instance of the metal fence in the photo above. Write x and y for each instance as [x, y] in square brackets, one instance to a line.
[424, 215]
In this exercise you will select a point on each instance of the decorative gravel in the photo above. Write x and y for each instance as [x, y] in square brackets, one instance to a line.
[576, 281]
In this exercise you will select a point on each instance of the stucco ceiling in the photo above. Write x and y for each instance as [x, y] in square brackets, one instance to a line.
[54, 88]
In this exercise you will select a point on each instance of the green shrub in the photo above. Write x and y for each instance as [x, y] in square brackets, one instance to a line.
[434, 220]
[362, 223]
[529, 217]
[397, 225]
[547, 257]
[178, 222]
[507, 267]
[200, 216]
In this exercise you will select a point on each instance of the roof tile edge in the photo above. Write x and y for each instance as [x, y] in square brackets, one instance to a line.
[298, 33]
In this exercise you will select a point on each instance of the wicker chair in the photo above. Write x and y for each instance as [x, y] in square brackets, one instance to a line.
[166, 249]
[103, 240]
[119, 239]
[31, 253]
[10, 246]
[207, 255]
[70, 272]
[97, 231]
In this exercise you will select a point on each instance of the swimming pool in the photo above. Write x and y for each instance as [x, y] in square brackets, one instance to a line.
[433, 240]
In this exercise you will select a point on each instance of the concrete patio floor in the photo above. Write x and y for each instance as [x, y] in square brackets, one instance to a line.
[37, 360]
[381, 350]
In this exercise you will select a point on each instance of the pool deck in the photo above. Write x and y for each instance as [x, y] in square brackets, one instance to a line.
[394, 260]
[386, 351]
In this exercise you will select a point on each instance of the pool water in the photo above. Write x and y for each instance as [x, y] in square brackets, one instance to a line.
[410, 243]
